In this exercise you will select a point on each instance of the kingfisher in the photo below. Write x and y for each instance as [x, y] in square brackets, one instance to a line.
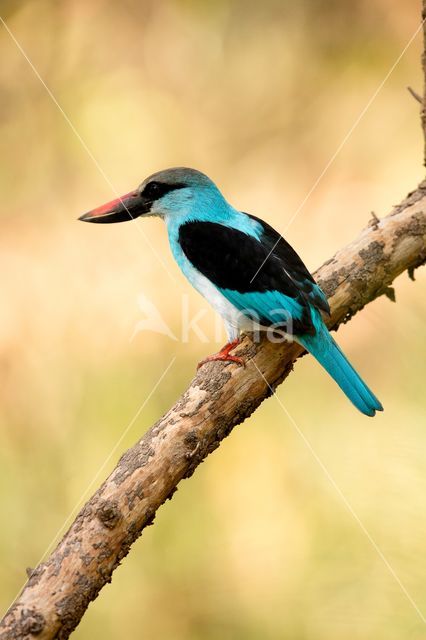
[244, 268]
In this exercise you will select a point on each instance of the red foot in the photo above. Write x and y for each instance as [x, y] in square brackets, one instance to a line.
[224, 356]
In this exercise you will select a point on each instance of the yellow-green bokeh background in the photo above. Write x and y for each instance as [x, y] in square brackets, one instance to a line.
[258, 544]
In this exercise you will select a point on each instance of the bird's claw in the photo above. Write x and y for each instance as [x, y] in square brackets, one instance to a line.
[224, 356]
[217, 357]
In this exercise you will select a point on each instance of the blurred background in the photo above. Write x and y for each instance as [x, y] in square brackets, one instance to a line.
[258, 544]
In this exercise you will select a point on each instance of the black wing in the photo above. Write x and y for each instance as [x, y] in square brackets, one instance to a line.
[293, 264]
[230, 259]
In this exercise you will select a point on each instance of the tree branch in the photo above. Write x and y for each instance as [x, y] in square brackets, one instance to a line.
[423, 109]
[219, 397]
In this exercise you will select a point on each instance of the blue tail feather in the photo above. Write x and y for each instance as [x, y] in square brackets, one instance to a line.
[328, 353]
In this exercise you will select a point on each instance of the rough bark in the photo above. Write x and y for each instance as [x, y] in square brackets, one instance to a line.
[220, 397]
[423, 109]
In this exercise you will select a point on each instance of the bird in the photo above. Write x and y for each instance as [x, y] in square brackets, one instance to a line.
[244, 268]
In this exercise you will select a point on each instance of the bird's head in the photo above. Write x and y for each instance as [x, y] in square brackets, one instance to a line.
[170, 193]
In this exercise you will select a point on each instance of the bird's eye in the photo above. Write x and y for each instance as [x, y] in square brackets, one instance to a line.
[152, 190]
[155, 190]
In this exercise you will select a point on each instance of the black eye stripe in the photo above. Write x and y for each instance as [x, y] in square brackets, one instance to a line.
[155, 190]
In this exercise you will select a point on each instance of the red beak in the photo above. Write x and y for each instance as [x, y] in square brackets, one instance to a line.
[128, 207]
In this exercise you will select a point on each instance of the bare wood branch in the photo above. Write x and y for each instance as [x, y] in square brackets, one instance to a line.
[220, 397]
[423, 110]
[415, 95]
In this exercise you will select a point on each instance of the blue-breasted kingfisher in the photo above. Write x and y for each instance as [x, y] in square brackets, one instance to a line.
[242, 266]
